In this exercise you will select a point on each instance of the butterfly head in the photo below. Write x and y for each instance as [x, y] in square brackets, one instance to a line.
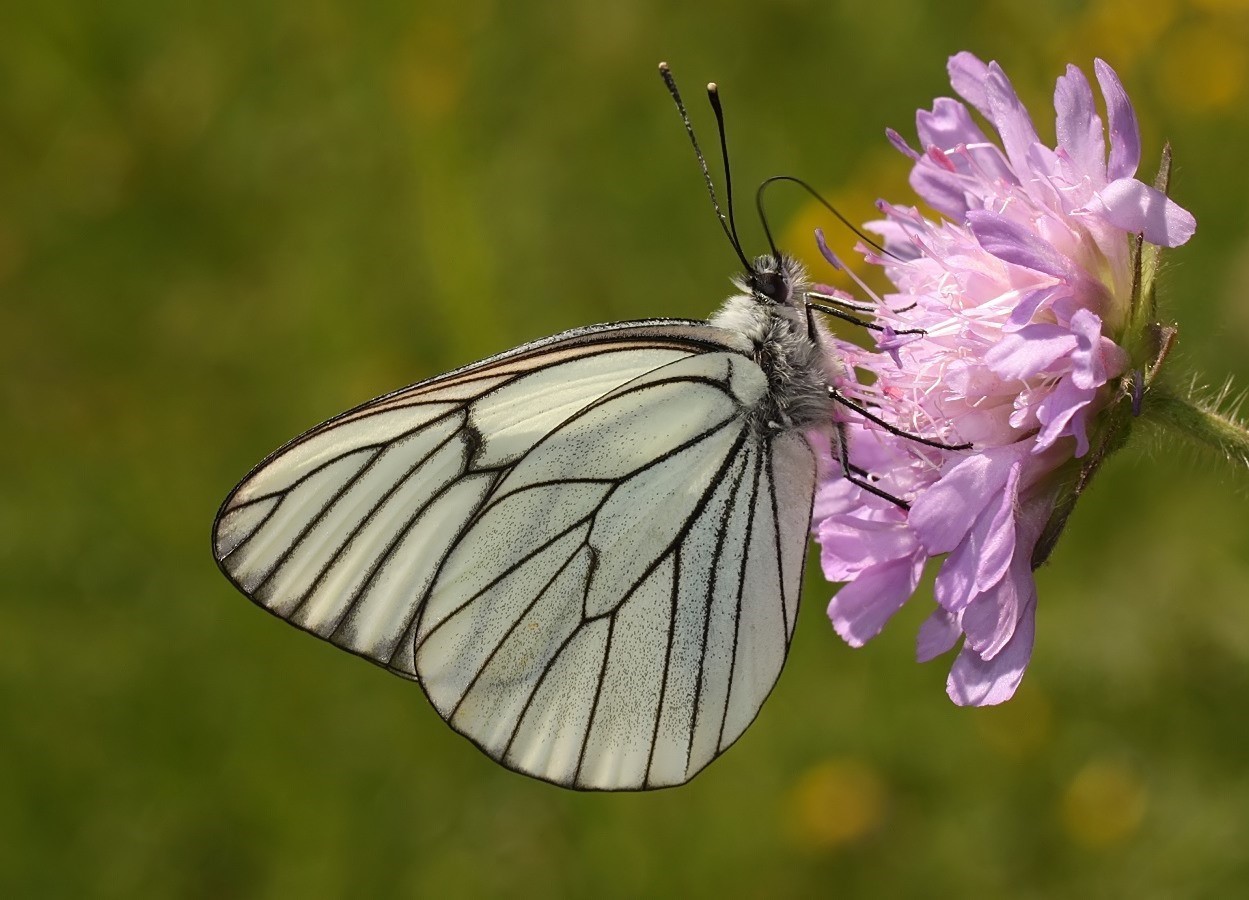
[775, 281]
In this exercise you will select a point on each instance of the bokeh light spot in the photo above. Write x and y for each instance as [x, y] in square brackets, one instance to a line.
[1203, 69]
[834, 803]
[1103, 804]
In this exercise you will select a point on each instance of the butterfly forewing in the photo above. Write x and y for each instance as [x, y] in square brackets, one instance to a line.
[587, 550]
[314, 531]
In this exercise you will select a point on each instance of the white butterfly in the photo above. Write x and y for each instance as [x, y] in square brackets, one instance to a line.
[588, 550]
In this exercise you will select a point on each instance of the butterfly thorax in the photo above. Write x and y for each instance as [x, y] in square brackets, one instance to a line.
[791, 347]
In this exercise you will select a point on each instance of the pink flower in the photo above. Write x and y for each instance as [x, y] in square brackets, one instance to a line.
[1025, 292]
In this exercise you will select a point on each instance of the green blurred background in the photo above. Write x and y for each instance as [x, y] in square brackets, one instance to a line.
[223, 222]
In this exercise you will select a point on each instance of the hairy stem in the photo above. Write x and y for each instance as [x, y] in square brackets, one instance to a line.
[1200, 421]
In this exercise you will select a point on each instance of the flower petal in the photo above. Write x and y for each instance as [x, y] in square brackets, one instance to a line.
[979, 562]
[1096, 359]
[989, 620]
[944, 513]
[850, 544]
[940, 189]
[1078, 126]
[996, 538]
[947, 125]
[1125, 133]
[938, 634]
[1140, 209]
[1029, 351]
[968, 74]
[1014, 243]
[1030, 302]
[1010, 117]
[974, 681]
[860, 609]
[1058, 415]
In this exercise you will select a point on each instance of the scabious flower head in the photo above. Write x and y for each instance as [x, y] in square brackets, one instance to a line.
[1024, 291]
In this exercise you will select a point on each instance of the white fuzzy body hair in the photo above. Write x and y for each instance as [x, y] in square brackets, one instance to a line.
[792, 347]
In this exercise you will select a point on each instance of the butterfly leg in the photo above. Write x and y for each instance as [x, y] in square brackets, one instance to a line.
[853, 319]
[858, 477]
[838, 397]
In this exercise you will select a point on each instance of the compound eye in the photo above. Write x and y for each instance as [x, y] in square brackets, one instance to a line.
[771, 285]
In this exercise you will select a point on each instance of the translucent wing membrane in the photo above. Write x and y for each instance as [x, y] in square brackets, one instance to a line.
[587, 550]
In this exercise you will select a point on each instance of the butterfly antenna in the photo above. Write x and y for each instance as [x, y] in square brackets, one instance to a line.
[730, 233]
[713, 94]
[828, 206]
[763, 218]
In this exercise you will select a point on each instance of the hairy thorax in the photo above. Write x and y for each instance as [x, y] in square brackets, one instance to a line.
[793, 350]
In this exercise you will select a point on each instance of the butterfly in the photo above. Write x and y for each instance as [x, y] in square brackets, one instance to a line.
[588, 550]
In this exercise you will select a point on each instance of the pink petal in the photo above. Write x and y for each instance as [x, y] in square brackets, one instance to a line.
[1014, 243]
[1096, 359]
[1140, 209]
[1030, 303]
[1010, 117]
[1078, 126]
[974, 681]
[955, 585]
[989, 620]
[1029, 351]
[947, 125]
[850, 544]
[944, 513]
[996, 539]
[967, 76]
[1125, 133]
[940, 189]
[938, 634]
[1057, 414]
[860, 609]
[978, 563]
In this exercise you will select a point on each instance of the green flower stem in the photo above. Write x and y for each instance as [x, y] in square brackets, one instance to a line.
[1197, 421]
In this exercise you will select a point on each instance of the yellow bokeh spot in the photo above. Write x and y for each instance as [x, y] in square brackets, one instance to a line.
[1203, 69]
[430, 70]
[835, 803]
[1020, 728]
[1103, 804]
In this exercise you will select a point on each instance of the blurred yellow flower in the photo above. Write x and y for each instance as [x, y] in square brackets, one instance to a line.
[1103, 804]
[834, 803]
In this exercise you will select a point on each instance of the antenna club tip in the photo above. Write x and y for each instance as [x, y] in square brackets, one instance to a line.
[663, 67]
[712, 88]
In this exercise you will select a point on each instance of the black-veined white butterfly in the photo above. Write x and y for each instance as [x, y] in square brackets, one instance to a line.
[588, 550]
